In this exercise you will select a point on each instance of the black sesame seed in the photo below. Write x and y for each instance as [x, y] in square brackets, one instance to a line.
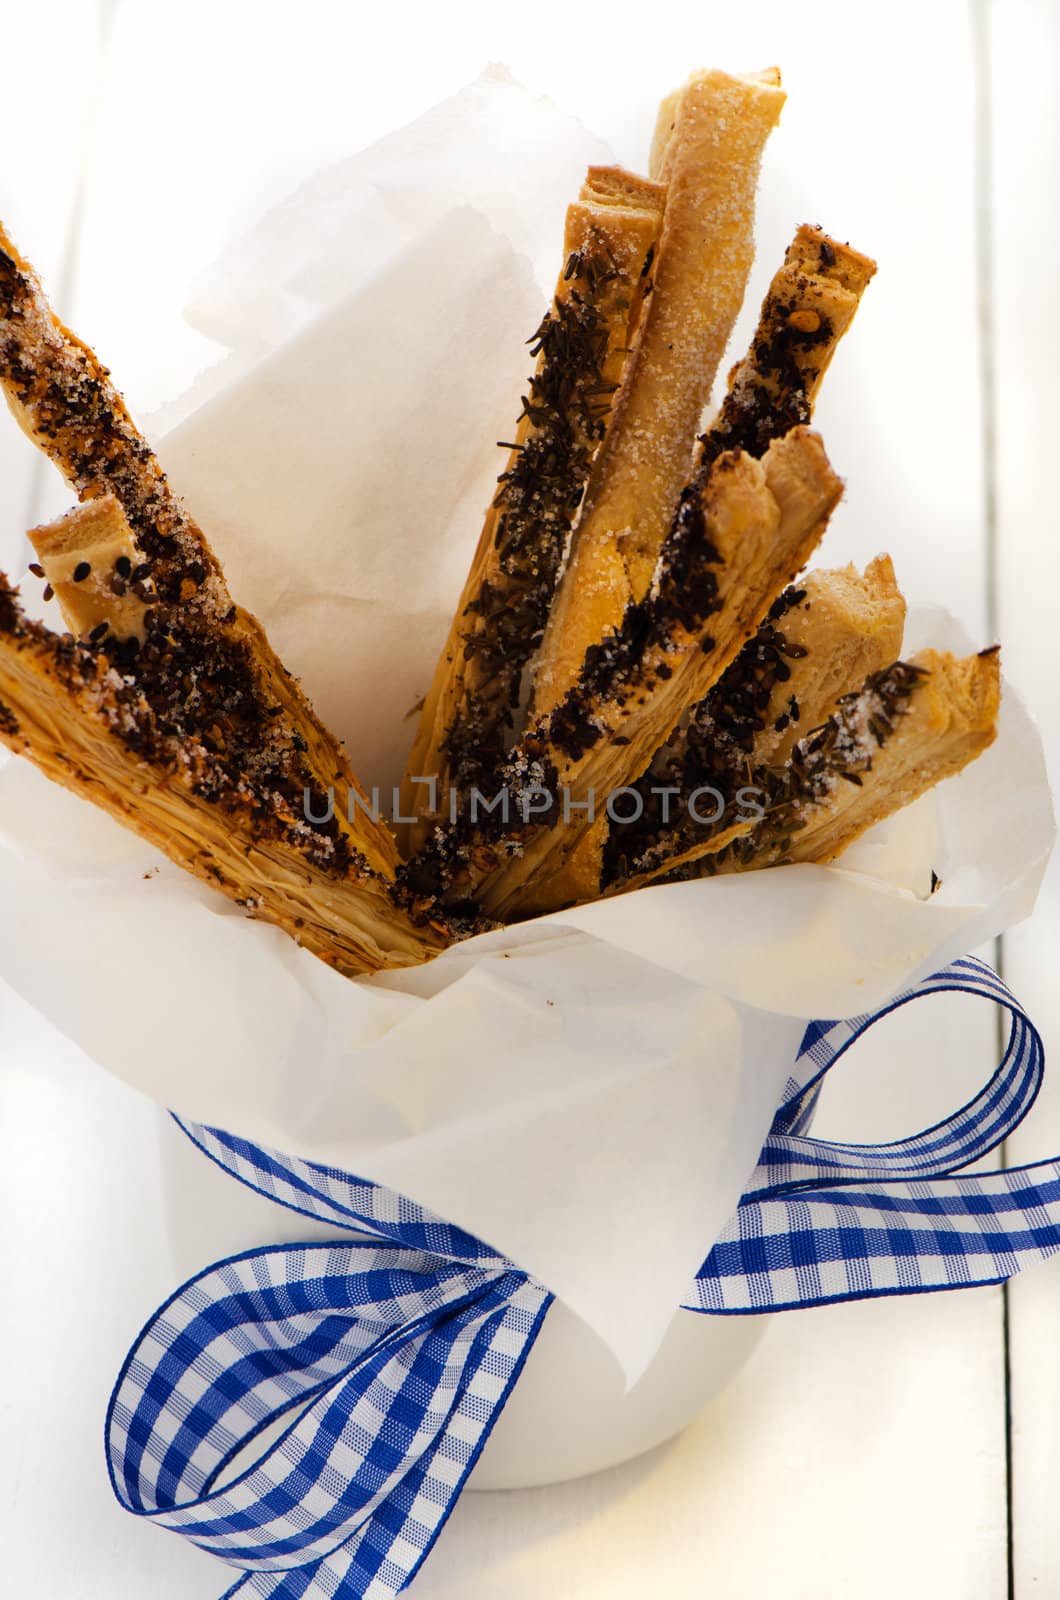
[81, 571]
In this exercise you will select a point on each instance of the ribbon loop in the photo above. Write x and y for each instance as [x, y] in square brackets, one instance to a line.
[790, 1160]
[393, 1364]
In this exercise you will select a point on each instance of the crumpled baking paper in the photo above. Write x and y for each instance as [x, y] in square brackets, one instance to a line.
[587, 1092]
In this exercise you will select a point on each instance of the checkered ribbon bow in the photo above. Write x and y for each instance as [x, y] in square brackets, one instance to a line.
[367, 1375]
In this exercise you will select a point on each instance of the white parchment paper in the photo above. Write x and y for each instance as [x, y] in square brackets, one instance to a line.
[587, 1092]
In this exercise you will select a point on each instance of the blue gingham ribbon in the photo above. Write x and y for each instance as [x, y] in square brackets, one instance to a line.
[310, 1413]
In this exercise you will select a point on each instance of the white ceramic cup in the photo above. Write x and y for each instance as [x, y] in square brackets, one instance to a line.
[568, 1414]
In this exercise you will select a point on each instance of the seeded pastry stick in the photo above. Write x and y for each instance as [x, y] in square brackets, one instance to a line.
[201, 665]
[88, 557]
[899, 736]
[87, 727]
[705, 253]
[903, 731]
[840, 627]
[820, 640]
[808, 307]
[722, 567]
[578, 872]
[357, 924]
[582, 347]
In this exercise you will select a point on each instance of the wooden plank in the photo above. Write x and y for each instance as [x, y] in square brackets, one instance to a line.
[1022, 50]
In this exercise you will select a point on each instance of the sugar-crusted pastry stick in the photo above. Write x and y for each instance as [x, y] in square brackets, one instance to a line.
[820, 640]
[666, 120]
[202, 665]
[907, 728]
[88, 727]
[705, 252]
[582, 346]
[723, 565]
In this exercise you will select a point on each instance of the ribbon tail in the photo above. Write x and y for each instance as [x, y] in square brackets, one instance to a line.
[815, 1246]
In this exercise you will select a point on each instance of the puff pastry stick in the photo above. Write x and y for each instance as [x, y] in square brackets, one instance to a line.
[88, 727]
[617, 186]
[807, 309]
[582, 346]
[821, 639]
[906, 729]
[202, 665]
[89, 556]
[705, 253]
[666, 118]
[724, 564]
[948, 720]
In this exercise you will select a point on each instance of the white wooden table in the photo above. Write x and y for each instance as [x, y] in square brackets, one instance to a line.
[881, 1448]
